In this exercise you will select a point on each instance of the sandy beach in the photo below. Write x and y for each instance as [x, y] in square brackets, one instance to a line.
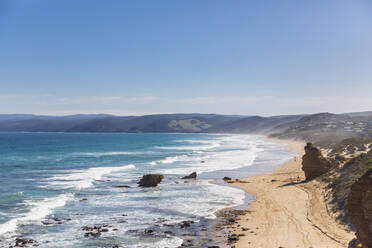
[287, 212]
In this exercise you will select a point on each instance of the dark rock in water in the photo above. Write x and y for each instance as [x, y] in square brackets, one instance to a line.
[55, 220]
[360, 208]
[313, 162]
[121, 186]
[186, 223]
[94, 231]
[150, 180]
[92, 234]
[227, 179]
[115, 246]
[87, 228]
[24, 242]
[191, 176]
[202, 161]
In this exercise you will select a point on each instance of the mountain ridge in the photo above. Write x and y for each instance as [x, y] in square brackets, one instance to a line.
[323, 129]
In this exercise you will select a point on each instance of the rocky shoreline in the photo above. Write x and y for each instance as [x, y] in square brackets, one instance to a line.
[218, 233]
[222, 232]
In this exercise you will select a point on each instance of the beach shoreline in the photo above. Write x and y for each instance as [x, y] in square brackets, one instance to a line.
[287, 212]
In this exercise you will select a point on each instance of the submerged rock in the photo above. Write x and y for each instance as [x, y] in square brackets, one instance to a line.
[121, 186]
[21, 242]
[191, 176]
[150, 180]
[186, 223]
[360, 208]
[313, 162]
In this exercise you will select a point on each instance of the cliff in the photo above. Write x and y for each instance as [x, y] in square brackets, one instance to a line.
[360, 208]
[313, 162]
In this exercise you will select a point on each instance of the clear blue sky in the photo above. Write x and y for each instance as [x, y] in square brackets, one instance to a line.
[209, 56]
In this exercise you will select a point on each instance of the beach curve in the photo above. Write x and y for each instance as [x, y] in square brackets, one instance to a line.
[288, 212]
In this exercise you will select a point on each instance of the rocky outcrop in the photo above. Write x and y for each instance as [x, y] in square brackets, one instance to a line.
[150, 180]
[191, 176]
[313, 162]
[360, 208]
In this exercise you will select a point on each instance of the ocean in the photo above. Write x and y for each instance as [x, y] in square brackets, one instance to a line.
[55, 184]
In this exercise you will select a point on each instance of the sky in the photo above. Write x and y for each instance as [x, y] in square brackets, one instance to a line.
[135, 57]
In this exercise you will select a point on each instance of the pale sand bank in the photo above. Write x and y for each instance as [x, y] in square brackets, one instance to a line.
[288, 215]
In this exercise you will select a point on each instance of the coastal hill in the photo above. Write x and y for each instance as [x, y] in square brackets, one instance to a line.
[323, 129]
[105, 123]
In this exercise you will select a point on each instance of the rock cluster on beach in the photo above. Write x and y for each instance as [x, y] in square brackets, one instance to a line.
[313, 162]
[360, 208]
[150, 180]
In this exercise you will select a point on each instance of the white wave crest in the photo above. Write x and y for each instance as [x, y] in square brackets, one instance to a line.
[237, 151]
[170, 160]
[38, 211]
[101, 154]
[195, 148]
[172, 242]
[80, 179]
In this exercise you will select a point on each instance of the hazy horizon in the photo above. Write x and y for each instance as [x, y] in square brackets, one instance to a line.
[176, 113]
[229, 57]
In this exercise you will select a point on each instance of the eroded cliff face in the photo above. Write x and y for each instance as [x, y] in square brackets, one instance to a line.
[360, 208]
[313, 162]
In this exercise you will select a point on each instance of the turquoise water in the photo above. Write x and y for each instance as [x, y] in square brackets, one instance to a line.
[53, 184]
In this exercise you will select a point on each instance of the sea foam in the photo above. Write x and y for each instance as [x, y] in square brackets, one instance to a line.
[234, 152]
[38, 210]
[80, 179]
[102, 154]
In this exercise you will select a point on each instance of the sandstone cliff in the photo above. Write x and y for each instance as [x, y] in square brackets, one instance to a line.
[360, 208]
[313, 162]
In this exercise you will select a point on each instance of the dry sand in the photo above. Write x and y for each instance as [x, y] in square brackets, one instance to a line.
[288, 213]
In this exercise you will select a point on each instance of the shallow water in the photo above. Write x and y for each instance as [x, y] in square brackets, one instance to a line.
[53, 184]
